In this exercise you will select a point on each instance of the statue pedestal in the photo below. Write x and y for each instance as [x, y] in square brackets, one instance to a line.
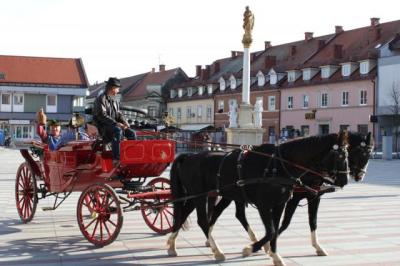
[249, 136]
[245, 119]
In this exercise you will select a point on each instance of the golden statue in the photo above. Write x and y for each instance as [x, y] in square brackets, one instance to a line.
[248, 24]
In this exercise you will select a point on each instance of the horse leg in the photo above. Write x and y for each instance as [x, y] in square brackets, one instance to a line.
[217, 211]
[202, 221]
[313, 205]
[290, 208]
[277, 213]
[267, 219]
[180, 215]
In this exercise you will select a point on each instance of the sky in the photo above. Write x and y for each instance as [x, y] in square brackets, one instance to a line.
[126, 37]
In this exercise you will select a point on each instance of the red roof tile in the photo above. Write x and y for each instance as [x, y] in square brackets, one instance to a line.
[42, 70]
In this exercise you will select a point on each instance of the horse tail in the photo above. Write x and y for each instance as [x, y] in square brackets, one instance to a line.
[177, 191]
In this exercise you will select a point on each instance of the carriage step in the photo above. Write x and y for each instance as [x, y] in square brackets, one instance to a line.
[48, 208]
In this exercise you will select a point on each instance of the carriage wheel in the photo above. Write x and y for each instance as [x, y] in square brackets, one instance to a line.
[158, 218]
[99, 214]
[25, 193]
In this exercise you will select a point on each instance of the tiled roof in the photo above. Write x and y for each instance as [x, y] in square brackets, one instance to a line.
[42, 70]
[126, 84]
[356, 44]
[156, 78]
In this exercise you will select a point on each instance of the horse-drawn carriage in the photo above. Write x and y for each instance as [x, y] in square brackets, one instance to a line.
[107, 191]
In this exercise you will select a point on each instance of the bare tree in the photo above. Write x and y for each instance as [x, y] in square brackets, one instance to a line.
[395, 111]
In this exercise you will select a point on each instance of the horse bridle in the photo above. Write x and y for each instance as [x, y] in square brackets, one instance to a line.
[339, 152]
[366, 151]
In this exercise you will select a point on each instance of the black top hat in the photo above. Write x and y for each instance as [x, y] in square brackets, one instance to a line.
[113, 82]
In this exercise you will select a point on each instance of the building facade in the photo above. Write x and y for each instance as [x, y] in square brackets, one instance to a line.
[30, 83]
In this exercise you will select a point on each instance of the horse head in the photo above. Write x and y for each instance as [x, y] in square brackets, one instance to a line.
[336, 161]
[360, 149]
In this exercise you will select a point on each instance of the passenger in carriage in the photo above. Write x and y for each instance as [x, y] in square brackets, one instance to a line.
[108, 118]
[55, 139]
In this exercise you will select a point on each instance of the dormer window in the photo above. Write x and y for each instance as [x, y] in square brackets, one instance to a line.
[210, 89]
[180, 93]
[348, 68]
[222, 84]
[273, 79]
[190, 92]
[328, 71]
[366, 66]
[309, 73]
[172, 94]
[232, 81]
[260, 79]
[293, 75]
[201, 90]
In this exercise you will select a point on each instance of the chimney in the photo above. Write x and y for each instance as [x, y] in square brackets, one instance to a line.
[338, 51]
[162, 68]
[233, 54]
[338, 29]
[292, 50]
[267, 45]
[206, 72]
[198, 70]
[308, 36]
[321, 44]
[374, 22]
[216, 67]
[252, 57]
[153, 70]
[269, 62]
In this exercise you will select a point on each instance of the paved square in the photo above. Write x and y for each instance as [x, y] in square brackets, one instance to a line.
[359, 225]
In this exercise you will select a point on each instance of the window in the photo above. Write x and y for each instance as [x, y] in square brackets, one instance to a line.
[209, 111]
[363, 97]
[305, 101]
[273, 79]
[221, 84]
[261, 79]
[18, 99]
[220, 106]
[345, 98]
[323, 129]
[2, 75]
[180, 93]
[172, 94]
[324, 99]
[291, 76]
[6, 99]
[171, 111]
[179, 113]
[190, 92]
[188, 112]
[305, 130]
[363, 129]
[364, 67]
[199, 111]
[271, 103]
[346, 70]
[325, 72]
[210, 89]
[306, 74]
[290, 102]
[201, 89]
[233, 83]
[152, 111]
[51, 103]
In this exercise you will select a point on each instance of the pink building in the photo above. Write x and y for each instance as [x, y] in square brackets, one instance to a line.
[327, 108]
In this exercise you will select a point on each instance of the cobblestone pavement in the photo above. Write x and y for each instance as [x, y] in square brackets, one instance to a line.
[359, 225]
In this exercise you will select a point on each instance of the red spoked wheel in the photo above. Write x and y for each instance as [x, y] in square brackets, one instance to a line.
[99, 214]
[25, 193]
[157, 215]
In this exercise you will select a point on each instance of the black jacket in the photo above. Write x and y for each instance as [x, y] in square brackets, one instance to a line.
[106, 111]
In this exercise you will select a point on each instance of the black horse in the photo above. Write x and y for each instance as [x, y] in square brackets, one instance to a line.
[255, 177]
[360, 149]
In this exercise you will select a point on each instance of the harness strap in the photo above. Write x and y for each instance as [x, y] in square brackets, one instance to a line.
[239, 166]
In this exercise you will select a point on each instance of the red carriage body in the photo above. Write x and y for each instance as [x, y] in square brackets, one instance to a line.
[80, 166]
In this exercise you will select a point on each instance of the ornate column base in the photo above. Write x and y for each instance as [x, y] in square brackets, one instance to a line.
[245, 119]
[249, 136]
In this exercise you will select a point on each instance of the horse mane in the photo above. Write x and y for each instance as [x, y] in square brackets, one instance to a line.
[297, 148]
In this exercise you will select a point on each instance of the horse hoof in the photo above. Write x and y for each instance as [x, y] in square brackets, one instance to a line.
[219, 256]
[266, 249]
[322, 252]
[247, 251]
[207, 243]
[172, 253]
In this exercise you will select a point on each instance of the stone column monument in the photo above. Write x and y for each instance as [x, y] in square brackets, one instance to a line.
[246, 132]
